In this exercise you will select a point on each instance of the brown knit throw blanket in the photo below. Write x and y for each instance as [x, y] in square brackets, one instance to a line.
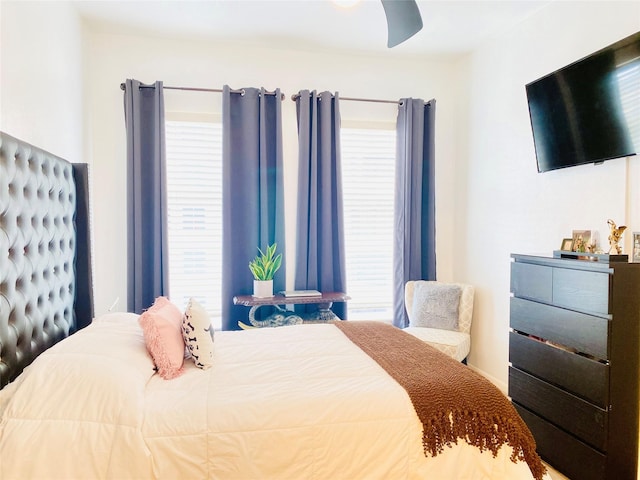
[451, 400]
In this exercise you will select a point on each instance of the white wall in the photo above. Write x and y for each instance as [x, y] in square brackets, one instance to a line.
[509, 207]
[41, 75]
[60, 90]
[112, 58]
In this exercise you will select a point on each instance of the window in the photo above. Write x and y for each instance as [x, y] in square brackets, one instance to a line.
[368, 176]
[628, 78]
[194, 197]
[194, 204]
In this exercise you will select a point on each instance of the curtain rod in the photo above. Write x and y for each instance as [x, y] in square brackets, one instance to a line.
[295, 96]
[196, 89]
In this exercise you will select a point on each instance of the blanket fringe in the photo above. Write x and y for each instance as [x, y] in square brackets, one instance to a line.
[483, 432]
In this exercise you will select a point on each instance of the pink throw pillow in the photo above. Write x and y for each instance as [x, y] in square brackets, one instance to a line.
[162, 328]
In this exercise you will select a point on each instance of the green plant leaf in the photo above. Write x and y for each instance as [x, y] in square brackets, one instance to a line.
[264, 266]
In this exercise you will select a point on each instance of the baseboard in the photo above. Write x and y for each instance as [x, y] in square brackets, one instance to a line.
[501, 385]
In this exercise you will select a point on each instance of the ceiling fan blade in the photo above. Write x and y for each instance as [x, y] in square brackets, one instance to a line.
[403, 20]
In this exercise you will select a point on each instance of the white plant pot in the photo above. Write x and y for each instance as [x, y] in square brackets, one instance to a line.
[263, 288]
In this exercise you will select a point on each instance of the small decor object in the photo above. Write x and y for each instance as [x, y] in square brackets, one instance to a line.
[279, 318]
[636, 247]
[581, 239]
[567, 244]
[263, 268]
[615, 233]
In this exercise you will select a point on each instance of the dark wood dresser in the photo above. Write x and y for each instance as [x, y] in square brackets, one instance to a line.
[574, 355]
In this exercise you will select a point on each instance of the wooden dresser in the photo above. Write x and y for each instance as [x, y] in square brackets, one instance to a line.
[574, 355]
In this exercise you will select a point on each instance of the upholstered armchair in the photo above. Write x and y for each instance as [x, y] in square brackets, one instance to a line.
[440, 314]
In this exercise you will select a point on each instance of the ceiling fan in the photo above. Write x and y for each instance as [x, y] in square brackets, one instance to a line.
[403, 20]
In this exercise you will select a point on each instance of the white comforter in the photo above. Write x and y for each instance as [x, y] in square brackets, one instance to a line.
[298, 402]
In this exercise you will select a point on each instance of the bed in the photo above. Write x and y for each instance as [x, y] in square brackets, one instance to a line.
[310, 401]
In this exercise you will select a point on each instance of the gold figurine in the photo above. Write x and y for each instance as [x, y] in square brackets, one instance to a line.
[614, 237]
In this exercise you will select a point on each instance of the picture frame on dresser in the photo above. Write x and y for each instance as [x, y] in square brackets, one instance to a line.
[581, 238]
[567, 245]
[636, 248]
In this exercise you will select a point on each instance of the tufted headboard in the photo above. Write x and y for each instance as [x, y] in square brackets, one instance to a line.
[45, 263]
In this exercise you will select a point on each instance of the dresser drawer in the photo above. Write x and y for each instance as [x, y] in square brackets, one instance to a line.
[580, 290]
[578, 417]
[534, 282]
[586, 378]
[586, 333]
[568, 455]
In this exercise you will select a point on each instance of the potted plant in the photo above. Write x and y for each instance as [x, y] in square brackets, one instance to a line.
[263, 268]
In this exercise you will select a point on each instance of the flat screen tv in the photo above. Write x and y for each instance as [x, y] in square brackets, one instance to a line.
[589, 111]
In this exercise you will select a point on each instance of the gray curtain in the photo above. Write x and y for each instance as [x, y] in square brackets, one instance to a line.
[320, 263]
[414, 246]
[147, 254]
[252, 191]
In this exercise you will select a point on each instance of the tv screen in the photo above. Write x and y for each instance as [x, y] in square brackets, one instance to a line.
[589, 111]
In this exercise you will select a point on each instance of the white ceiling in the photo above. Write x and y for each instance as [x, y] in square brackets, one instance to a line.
[452, 26]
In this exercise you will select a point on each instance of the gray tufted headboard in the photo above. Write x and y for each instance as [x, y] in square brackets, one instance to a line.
[45, 263]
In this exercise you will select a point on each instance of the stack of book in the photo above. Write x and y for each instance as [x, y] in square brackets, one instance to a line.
[301, 293]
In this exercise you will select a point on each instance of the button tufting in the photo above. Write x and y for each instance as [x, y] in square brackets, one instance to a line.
[37, 197]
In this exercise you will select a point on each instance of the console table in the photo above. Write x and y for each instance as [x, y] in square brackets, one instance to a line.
[286, 317]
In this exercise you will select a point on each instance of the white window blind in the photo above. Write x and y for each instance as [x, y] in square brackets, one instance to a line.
[628, 77]
[368, 170]
[194, 202]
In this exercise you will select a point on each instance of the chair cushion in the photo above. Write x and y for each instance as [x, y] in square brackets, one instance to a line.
[454, 344]
[435, 305]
